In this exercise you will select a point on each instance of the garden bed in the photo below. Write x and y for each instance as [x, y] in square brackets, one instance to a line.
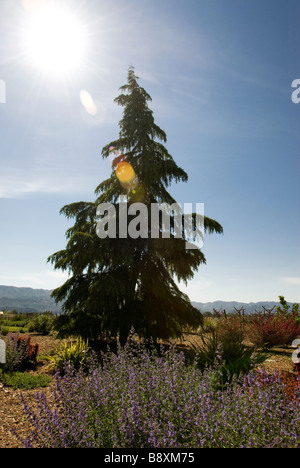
[11, 409]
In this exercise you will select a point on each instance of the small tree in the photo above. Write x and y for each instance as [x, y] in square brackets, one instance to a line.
[284, 307]
[119, 283]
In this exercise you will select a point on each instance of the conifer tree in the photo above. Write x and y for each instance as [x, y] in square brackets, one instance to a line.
[123, 282]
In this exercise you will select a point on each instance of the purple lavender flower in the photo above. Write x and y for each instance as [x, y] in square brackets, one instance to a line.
[144, 399]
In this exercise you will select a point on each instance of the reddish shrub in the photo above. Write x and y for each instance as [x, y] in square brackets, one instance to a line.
[291, 386]
[289, 381]
[20, 353]
[31, 350]
[275, 329]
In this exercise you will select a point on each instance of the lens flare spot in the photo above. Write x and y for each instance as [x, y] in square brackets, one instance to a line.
[125, 172]
[31, 5]
[88, 102]
[138, 194]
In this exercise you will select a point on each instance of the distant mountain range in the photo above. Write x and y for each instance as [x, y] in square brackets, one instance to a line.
[39, 300]
[249, 307]
[27, 300]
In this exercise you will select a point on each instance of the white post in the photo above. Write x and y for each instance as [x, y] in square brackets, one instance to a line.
[2, 352]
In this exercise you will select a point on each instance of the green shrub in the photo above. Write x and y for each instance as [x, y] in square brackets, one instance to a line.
[225, 344]
[284, 307]
[5, 330]
[75, 354]
[23, 380]
[42, 324]
[12, 323]
[19, 320]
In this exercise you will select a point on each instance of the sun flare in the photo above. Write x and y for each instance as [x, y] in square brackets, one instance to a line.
[55, 40]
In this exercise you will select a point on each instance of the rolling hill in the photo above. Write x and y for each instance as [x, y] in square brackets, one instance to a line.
[27, 300]
[39, 300]
[249, 307]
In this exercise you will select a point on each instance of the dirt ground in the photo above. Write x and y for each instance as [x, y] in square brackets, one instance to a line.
[12, 414]
[11, 409]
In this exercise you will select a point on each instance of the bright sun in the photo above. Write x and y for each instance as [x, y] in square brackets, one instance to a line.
[55, 40]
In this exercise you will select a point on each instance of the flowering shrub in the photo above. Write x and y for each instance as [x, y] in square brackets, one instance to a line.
[138, 398]
[291, 385]
[276, 329]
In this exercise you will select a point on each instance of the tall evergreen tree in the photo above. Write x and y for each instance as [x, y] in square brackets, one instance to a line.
[123, 282]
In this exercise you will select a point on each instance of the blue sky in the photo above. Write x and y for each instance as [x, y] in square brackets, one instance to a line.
[219, 73]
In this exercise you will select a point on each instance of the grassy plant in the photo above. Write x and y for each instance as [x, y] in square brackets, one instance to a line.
[209, 324]
[5, 330]
[23, 380]
[225, 342]
[74, 354]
